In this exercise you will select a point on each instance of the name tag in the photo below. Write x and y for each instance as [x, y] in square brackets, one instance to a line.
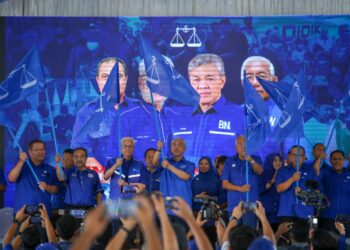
[90, 175]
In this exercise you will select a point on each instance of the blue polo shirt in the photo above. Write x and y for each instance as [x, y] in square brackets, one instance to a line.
[99, 140]
[171, 185]
[288, 202]
[82, 187]
[128, 172]
[211, 133]
[235, 172]
[337, 189]
[151, 179]
[28, 191]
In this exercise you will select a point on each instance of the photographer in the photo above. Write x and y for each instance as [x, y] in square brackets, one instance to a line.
[240, 237]
[204, 186]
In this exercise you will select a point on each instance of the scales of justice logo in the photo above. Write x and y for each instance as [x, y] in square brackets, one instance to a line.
[286, 117]
[27, 80]
[152, 73]
[178, 42]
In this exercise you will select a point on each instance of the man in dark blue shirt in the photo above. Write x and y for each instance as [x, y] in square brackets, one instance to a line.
[290, 181]
[28, 190]
[211, 128]
[178, 173]
[234, 180]
[123, 171]
[150, 173]
[336, 186]
[145, 132]
[67, 163]
[99, 143]
[83, 186]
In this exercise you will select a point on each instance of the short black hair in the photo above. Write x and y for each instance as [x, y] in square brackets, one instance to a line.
[300, 230]
[240, 237]
[66, 226]
[82, 149]
[323, 240]
[31, 237]
[221, 160]
[337, 151]
[147, 150]
[68, 151]
[315, 145]
[296, 146]
[32, 142]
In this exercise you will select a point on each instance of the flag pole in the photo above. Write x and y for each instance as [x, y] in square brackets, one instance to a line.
[27, 161]
[53, 129]
[156, 121]
[245, 141]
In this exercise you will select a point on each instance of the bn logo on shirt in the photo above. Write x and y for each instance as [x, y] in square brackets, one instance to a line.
[224, 124]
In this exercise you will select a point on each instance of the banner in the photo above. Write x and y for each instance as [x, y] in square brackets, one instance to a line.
[208, 53]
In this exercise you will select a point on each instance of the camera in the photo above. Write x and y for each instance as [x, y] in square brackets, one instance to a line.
[78, 213]
[343, 218]
[128, 189]
[35, 219]
[209, 209]
[33, 209]
[123, 208]
[313, 221]
[312, 196]
[169, 202]
[249, 206]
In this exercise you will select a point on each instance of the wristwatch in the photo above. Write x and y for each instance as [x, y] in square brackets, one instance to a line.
[252, 162]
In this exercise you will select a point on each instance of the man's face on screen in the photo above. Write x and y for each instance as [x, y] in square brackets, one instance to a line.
[103, 74]
[208, 82]
[260, 69]
[145, 91]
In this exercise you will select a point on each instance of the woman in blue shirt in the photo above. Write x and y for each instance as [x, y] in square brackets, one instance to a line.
[206, 184]
[268, 193]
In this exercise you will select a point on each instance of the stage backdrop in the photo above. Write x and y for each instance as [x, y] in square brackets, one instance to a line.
[69, 50]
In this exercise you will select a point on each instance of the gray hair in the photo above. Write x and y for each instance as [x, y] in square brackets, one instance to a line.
[178, 139]
[207, 59]
[257, 58]
[124, 139]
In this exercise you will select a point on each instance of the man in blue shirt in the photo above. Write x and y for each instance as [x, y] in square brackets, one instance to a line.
[319, 155]
[67, 163]
[336, 186]
[234, 180]
[123, 171]
[290, 181]
[258, 66]
[28, 190]
[144, 115]
[177, 175]
[150, 173]
[98, 143]
[211, 128]
[83, 186]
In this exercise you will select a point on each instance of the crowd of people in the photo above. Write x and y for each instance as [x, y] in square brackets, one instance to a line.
[239, 202]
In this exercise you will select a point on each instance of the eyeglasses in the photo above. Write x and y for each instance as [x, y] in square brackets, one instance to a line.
[296, 155]
[251, 77]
